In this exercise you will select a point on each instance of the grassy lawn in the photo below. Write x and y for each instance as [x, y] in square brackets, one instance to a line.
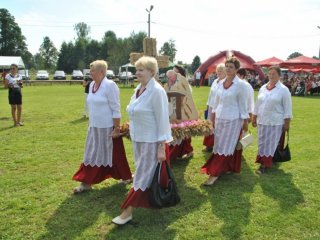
[38, 160]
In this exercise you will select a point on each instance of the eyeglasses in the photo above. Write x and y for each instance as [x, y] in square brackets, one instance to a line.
[12, 68]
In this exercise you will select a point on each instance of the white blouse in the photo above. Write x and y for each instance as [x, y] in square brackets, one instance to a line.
[14, 80]
[213, 90]
[149, 114]
[250, 97]
[273, 106]
[231, 103]
[104, 104]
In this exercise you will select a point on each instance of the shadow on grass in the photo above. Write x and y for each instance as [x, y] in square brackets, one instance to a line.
[279, 186]
[230, 199]
[81, 211]
[4, 118]
[161, 224]
[80, 120]
[6, 128]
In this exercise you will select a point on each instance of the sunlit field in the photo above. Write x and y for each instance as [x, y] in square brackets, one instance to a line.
[38, 160]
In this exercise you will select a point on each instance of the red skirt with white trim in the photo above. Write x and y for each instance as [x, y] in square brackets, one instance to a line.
[119, 170]
[218, 164]
[177, 151]
[139, 198]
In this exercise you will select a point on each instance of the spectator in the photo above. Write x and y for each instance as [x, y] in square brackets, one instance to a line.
[198, 78]
[13, 81]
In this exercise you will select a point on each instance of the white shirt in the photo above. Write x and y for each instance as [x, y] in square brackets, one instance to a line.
[104, 104]
[14, 80]
[250, 97]
[198, 75]
[231, 103]
[273, 106]
[212, 93]
[149, 114]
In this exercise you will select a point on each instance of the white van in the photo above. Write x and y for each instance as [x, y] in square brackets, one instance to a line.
[24, 73]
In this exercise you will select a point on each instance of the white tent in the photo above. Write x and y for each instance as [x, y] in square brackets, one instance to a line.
[126, 66]
[6, 61]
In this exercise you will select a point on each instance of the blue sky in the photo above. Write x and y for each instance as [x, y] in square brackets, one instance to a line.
[261, 29]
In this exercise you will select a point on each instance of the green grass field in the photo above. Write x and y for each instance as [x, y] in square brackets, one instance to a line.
[38, 160]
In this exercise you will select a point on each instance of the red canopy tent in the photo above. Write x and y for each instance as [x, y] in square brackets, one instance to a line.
[301, 62]
[209, 66]
[269, 62]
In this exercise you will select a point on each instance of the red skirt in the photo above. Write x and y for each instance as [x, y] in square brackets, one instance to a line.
[177, 151]
[140, 198]
[208, 141]
[267, 161]
[119, 170]
[218, 164]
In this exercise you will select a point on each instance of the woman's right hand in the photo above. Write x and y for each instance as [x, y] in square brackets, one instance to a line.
[161, 154]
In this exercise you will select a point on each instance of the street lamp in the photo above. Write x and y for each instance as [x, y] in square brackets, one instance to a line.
[149, 10]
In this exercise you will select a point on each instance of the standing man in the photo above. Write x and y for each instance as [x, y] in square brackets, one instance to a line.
[198, 77]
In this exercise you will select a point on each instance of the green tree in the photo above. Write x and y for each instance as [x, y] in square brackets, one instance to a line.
[92, 52]
[12, 42]
[109, 42]
[48, 53]
[82, 30]
[65, 62]
[169, 49]
[195, 64]
[294, 55]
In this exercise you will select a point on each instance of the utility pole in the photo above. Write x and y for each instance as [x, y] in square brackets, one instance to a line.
[149, 10]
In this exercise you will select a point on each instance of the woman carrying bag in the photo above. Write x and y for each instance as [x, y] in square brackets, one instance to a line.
[272, 115]
[149, 131]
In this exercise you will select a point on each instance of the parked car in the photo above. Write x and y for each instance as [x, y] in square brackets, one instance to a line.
[59, 75]
[110, 74]
[77, 75]
[87, 74]
[24, 73]
[42, 75]
[126, 75]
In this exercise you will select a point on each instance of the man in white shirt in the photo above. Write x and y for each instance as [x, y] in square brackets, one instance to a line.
[198, 77]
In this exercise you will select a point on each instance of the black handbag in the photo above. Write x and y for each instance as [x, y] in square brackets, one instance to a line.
[282, 155]
[161, 197]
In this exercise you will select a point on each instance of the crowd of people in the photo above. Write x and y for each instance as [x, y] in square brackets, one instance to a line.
[302, 84]
[231, 109]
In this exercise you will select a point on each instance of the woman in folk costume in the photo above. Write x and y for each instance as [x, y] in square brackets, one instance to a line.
[208, 141]
[230, 116]
[104, 155]
[149, 131]
[184, 149]
[272, 114]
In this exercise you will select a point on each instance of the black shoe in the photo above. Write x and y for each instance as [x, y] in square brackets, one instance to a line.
[261, 170]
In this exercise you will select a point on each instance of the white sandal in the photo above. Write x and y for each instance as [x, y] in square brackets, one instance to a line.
[83, 187]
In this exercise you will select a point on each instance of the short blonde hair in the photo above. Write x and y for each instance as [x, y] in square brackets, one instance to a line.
[221, 66]
[99, 65]
[150, 63]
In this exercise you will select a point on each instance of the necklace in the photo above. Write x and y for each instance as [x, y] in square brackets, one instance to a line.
[139, 93]
[269, 87]
[226, 86]
[94, 88]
